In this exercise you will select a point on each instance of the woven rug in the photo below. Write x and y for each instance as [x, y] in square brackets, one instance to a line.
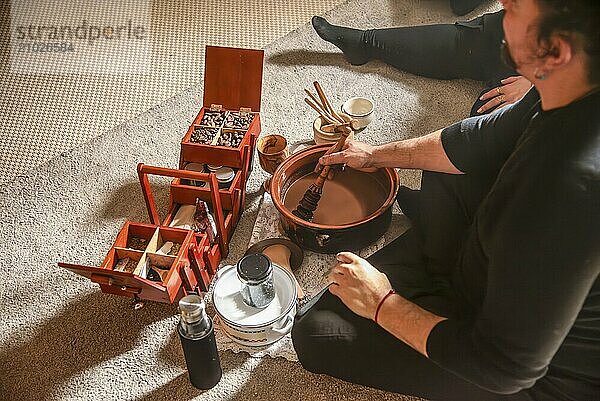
[61, 338]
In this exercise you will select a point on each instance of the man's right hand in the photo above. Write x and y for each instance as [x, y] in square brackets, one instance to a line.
[356, 155]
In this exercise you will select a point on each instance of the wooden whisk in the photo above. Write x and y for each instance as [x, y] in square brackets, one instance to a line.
[309, 202]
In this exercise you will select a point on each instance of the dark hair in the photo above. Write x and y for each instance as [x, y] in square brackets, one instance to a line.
[564, 17]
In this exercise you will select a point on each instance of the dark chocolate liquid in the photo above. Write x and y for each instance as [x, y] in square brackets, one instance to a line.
[348, 198]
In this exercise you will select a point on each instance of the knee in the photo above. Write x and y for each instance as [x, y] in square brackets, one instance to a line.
[305, 344]
[322, 336]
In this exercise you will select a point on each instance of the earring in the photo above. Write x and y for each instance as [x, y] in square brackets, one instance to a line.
[541, 75]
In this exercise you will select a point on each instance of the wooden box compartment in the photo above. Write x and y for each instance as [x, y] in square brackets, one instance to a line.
[229, 196]
[210, 253]
[213, 153]
[186, 195]
[143, 264]
[232, 87]
[232, 198]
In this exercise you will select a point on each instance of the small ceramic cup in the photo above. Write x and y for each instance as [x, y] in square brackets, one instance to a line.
[272, 151]
[225, 176]
[194, 167]
[360, 109]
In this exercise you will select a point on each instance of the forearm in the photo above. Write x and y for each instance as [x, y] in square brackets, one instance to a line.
[407, 322]
[424, 153]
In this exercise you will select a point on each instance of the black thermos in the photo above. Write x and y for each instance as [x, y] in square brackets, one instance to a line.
[197, 337]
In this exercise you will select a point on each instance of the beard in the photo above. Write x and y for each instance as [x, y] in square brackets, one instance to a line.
[506, 57]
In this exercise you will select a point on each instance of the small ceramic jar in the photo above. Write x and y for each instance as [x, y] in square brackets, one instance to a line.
[255, 272]
[225, 176]
[321, 137]
[194, 167]
[211, 168]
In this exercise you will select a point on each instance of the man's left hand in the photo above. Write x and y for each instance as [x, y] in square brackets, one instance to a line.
[358, 284]
[511, 90]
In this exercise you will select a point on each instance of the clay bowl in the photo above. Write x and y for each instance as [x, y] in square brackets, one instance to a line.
[272, 151]
[354, 211]
[321, 137]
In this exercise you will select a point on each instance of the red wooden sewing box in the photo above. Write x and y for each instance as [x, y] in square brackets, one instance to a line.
[232, 84]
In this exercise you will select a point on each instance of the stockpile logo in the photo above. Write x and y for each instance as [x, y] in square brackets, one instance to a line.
[80, 37]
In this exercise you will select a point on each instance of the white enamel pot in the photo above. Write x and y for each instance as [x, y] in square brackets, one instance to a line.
[251, 326]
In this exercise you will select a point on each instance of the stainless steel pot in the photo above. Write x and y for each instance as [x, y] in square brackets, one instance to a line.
[251, 326]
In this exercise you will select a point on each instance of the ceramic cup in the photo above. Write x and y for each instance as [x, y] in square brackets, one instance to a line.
[198, 168]
[272, 151]
[360, 109]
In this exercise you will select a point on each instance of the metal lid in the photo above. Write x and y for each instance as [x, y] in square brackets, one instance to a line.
[194, 167]
[225, 174]
[254, 267]
[213, 167]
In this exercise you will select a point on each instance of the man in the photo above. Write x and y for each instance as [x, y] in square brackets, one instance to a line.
[494, 294]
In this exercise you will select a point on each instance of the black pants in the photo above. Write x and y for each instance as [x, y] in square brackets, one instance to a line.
[332, 339]
[445, 51]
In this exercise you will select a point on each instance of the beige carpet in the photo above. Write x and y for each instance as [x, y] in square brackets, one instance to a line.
[47, 114]
[62, 339]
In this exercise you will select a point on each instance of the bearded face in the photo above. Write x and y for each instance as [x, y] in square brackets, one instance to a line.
[520, 48]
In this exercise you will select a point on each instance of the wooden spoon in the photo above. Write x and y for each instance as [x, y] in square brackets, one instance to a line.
[280, 255]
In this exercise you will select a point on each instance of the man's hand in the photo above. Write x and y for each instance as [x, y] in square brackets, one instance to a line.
[354, 154]
[358, 284]
[511, 90]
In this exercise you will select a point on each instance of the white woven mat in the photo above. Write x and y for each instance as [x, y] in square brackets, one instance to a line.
[310, 276]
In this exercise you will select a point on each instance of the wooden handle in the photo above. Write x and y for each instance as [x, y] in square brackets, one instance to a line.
[215, 196]
[335, 148]
[340, 142]
[280, 255]
[316, 101]
[320, 180]
[326, 102]
[169, 172]
[318, 110]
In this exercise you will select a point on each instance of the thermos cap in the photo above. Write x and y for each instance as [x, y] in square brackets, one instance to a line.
[194, 167]
[192, 308]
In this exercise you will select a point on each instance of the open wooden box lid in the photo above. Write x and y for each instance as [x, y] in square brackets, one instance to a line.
[233, 77]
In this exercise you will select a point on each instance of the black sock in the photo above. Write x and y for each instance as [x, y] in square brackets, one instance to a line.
[350, 41]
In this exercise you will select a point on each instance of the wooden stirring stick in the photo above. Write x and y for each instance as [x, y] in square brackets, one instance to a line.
[326, 102]
[325, 117]
[309, 202]
[317, 101]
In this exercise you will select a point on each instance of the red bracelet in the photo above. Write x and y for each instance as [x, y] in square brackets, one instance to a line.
[390, 293]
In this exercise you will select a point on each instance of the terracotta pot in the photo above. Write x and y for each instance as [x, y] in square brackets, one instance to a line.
[272, 151]
[332, 238]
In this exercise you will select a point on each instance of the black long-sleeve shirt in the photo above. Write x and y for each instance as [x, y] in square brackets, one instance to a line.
[529, 269]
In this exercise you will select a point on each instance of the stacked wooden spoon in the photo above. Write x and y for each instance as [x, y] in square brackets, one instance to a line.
[334, 122]
[309, 202]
